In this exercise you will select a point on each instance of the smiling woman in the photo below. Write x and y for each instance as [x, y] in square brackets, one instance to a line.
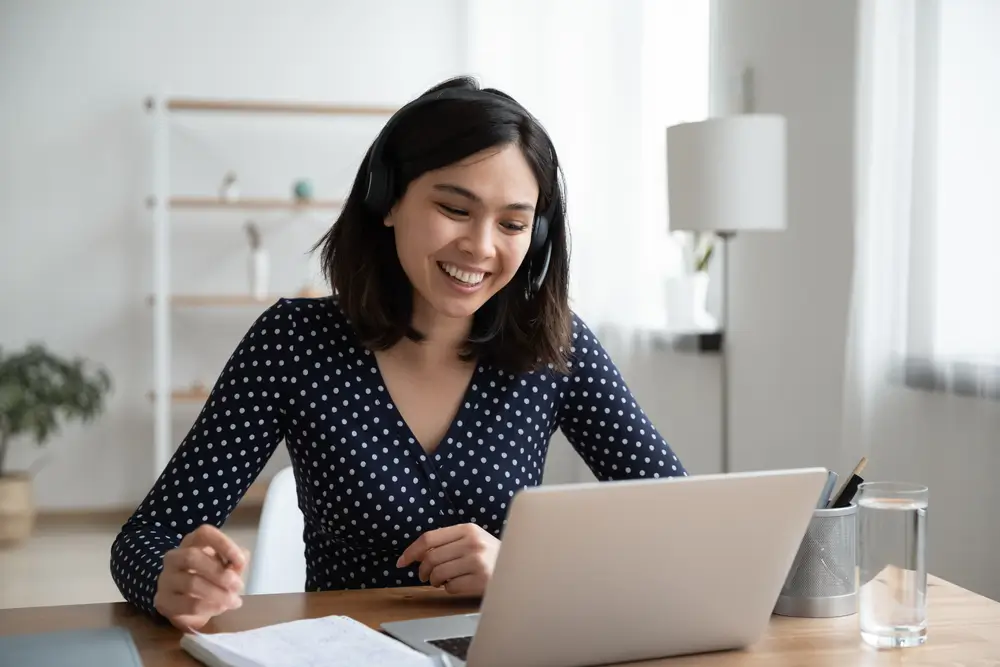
[421, 397]
[470, 183]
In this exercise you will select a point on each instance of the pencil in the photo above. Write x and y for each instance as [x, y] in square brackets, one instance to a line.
[850, 487]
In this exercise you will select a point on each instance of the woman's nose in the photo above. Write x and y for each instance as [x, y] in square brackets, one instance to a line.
[478, 240]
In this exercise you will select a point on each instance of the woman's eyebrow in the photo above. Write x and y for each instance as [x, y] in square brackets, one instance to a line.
[472, 196]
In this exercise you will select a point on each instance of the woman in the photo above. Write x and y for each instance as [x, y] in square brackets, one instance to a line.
[420, 398]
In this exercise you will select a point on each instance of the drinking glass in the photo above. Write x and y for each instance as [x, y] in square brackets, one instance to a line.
[892, 599]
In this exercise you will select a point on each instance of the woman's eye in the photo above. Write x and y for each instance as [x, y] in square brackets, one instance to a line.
[451, 210]
[515, 226]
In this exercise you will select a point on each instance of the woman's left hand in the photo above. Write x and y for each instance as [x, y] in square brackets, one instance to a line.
[460, 558]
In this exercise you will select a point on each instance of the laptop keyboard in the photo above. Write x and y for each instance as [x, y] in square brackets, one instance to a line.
[457, 646]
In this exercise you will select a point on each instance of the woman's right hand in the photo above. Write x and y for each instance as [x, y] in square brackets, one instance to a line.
[201, 578]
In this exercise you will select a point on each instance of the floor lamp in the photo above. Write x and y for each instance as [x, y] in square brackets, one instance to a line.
[727, 175]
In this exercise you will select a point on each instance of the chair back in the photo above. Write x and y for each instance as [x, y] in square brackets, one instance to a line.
[278, 562]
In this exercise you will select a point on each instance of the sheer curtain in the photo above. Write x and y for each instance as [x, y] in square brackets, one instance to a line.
[927, 239]
[606, 79]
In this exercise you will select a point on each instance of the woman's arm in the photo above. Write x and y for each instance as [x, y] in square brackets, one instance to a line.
[232, 439]
[603, 421]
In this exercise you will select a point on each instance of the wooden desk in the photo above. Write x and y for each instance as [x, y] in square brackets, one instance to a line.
[964, 628]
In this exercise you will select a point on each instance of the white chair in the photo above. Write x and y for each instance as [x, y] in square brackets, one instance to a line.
[278, 562]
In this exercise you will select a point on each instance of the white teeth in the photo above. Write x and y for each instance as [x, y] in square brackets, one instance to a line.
[464, 276]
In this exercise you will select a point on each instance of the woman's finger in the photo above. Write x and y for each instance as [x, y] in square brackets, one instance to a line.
[467, 584]
[196, 586]
[440, 555]
[206, 565]
[431, 540]
[452, 569]
[207, 535]
[180, 604]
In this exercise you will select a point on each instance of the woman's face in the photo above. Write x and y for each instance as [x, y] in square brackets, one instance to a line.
[463, 230]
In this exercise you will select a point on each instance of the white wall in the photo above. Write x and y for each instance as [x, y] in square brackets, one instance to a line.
[790, 296]
[75, 170]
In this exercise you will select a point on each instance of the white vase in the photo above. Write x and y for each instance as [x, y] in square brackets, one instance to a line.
[260, 273]
[687, 303]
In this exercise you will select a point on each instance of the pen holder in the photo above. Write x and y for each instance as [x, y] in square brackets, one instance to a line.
[822, 582]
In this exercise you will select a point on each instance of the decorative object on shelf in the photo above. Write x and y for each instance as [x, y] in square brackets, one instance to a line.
[302, 190]
[230, 189]
[223, 196]
[687, 304]
[38, 390]
[728, 175]
[260, 263]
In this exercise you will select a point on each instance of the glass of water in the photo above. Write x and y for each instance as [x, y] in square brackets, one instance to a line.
[892, 598]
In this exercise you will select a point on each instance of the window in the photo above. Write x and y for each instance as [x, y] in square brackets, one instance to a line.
[953, 333]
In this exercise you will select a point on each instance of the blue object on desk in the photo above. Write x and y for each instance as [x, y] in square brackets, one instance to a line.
[108, 647]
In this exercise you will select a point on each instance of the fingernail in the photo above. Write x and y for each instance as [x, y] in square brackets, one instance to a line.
[399, 562]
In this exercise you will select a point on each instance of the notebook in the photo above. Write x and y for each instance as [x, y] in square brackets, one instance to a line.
[331, 641]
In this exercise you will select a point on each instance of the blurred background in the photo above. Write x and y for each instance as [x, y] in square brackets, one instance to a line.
[165, 168]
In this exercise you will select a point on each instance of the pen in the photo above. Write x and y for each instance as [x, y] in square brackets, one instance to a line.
[850, 487]
[824, 497]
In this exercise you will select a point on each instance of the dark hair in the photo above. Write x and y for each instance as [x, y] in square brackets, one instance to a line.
[514, 330]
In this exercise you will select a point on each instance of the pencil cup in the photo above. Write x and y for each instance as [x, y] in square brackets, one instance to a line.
[822, 582]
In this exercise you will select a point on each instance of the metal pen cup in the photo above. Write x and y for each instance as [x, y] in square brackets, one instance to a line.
[822, 582]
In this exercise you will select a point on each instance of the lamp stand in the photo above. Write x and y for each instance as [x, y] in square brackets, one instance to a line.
[726, 338]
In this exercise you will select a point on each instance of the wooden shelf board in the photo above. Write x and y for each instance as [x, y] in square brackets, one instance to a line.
[229, 300]
[185, 395]
[210, 203]
[278, 107]
[219, 300]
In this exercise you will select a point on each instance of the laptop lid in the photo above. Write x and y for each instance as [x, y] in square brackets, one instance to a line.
[616, 571]
[107, 647]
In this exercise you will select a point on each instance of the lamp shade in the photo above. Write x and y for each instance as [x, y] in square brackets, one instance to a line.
[727, 174]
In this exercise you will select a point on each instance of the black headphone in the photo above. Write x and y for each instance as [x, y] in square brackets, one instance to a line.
[379, 193]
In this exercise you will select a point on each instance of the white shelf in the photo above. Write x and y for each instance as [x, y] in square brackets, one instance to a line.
[252, 204]
[163, 204]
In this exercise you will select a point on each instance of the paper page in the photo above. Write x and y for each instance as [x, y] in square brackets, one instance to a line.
[332, 641]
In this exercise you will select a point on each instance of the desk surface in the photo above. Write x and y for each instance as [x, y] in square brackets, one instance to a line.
[964, 627]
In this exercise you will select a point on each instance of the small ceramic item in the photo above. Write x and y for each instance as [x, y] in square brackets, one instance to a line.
[303, 191]
[230, 189]
[260, 264]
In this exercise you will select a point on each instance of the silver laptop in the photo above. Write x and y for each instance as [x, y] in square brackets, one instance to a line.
[608, 572]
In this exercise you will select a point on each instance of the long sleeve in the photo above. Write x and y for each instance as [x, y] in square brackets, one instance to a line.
[225, 449]
[602, 420]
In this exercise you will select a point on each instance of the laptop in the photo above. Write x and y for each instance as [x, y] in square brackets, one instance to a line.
[607, 572]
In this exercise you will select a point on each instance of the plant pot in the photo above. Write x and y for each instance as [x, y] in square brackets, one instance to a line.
[17, 509]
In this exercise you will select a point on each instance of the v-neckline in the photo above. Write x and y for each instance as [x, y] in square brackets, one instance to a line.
[448, 439]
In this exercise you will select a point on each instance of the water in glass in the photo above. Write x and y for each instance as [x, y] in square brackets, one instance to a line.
[892, 597]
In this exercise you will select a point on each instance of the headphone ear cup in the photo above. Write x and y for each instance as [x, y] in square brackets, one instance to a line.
[379, 190]
[539, 234]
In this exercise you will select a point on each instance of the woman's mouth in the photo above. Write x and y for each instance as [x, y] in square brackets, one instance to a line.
[468, 279]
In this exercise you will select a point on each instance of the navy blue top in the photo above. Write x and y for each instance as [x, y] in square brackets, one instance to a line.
[366, 487]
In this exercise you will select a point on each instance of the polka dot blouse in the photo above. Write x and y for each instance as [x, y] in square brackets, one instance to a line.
[366, 487]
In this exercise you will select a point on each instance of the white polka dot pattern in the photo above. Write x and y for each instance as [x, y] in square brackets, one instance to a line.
[366, 488]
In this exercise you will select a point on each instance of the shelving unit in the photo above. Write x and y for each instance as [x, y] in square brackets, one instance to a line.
[162, 203]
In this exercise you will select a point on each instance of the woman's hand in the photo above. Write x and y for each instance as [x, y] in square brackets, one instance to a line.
[460, 558]
[201, 578]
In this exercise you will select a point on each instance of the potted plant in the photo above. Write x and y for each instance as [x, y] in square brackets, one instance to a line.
[39, 391]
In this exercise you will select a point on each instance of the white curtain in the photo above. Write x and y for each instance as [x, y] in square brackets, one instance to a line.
[924, 319]
[605, 77]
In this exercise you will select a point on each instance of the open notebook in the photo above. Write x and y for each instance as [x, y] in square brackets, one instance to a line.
[331, 641]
